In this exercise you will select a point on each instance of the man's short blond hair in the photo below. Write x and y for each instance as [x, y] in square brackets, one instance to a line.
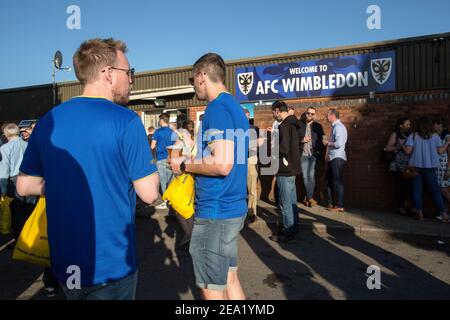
[93, 55]
[11, 130]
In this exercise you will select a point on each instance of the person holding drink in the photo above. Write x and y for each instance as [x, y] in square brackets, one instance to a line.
[311, 151]
[184, 146]
[161, 139]
[337, 159]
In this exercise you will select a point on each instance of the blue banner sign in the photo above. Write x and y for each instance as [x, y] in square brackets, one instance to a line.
[346, 75]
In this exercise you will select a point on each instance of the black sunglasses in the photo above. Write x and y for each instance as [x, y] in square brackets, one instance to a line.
[191, 79]
[311, 114]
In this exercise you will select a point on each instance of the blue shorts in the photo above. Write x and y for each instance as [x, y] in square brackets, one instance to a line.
[214, 250]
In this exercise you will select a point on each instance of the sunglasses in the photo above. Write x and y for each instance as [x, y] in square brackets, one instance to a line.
[310, 114]
[191, 79]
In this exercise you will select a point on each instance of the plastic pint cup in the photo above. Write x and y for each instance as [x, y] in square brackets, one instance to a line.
[174, 151]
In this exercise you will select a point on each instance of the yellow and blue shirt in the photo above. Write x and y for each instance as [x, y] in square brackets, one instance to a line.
[89, 151]
[223, 197]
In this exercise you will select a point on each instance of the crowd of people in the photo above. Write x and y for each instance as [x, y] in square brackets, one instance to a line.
[117, 163]
[302, 146]
[419, 158]
[13, 143]
[417, 155]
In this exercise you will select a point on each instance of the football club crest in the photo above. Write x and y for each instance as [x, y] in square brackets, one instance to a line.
[245, 81]
[381, 69]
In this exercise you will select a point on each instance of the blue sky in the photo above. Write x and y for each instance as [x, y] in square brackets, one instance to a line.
[171, 33]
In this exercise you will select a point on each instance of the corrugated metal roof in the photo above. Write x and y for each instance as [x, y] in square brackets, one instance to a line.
[422, 63]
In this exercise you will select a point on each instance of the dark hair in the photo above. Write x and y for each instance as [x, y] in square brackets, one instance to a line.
[425, 127]
[440, 120]
[335, 112]
[311, 108]
[280, 105]
[164, 117]
[181, 118]
[303, 117]
[213, 65]
[397, 128]
[186, 125]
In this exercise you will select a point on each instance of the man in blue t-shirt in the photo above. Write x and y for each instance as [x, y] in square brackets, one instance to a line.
[220, 170]
[163, 138]
[90, 184]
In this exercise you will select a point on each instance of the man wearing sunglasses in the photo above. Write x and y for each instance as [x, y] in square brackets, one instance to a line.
[220, 171]
[311, 151]
[91, 182]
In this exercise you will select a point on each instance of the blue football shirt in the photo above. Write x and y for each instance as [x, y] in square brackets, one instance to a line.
[223, 197]
[89, 151]
[164, 138]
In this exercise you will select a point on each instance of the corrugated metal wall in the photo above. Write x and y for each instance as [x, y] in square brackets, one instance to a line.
[25, 103]
[422, 64]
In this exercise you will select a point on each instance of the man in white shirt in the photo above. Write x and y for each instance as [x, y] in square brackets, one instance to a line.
[336, 159]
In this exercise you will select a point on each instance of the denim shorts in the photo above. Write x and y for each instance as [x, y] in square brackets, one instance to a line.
[214, 250]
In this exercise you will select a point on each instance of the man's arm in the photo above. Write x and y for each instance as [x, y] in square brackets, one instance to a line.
[320, 134]
[147, 188]
[253, 139]
[284, 143]
[219, 163]
[341, 138]
[301, 131]
[153, 145]
[30, 185]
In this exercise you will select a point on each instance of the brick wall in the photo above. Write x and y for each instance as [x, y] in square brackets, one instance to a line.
[193, 112]
[369, 123]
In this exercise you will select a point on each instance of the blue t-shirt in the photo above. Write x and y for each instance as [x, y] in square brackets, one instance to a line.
[164, 138]
[425, 154]
[89, 151]
[223, 197]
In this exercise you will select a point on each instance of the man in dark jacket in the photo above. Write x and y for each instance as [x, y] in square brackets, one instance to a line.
[289, 168]
[311, 151]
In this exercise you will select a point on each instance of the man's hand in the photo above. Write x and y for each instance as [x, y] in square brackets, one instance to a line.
[175, 164]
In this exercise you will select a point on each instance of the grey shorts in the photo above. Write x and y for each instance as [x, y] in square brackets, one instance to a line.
[214, 250]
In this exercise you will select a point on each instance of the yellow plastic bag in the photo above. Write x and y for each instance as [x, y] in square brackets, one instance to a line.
[32, 245]
[5, 215]
[180, 194]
